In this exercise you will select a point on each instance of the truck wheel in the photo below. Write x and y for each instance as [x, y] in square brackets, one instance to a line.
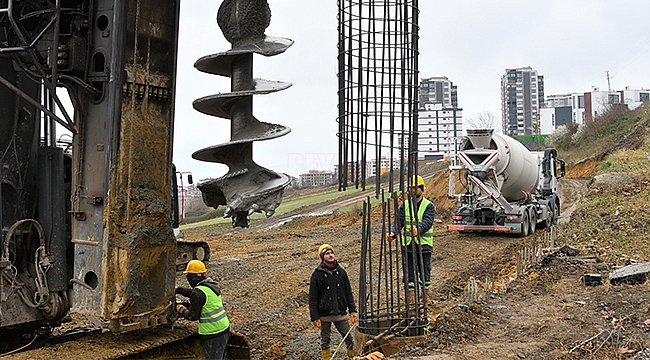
[524, 225]
[533, 223]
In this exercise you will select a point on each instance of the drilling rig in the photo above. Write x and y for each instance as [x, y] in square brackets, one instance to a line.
[87, 224]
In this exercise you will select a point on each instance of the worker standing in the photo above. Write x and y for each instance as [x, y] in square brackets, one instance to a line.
[206, 305]
[418, 221]
[330, 299]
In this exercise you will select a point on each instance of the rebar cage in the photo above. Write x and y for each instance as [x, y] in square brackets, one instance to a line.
[377, 118]
[378, 54]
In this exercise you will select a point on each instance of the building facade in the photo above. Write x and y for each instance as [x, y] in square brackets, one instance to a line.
[583, 108]
[440, 121]
[522, 96]
[438, 91]
[439, 129]
[317, 178]
[597, 102]
[560, 110]
[384, 165]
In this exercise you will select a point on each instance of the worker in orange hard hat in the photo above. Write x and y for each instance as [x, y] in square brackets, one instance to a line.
[416, 216]
[206, 305]
[330, 301]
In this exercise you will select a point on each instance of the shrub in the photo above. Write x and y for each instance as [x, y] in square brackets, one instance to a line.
[561, 138]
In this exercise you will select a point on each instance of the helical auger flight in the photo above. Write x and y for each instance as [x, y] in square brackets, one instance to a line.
[247, 187]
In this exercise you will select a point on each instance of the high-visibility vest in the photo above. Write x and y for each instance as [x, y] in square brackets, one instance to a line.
[425, 238]
[213, 318]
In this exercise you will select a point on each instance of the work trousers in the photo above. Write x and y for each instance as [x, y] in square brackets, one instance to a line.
[343, 328]
[415, 264]
[214, 346]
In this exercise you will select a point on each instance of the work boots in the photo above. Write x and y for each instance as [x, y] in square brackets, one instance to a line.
[327, 354]
[411, 296]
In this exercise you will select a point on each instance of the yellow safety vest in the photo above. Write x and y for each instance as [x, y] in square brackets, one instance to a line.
[410, 222]
[213, 318]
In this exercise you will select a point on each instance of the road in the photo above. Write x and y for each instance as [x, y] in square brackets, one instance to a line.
[323, 208]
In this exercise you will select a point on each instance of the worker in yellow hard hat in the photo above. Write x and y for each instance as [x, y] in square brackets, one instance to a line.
[417, 181]
[206, 306]
[416, 216]
[330, 301]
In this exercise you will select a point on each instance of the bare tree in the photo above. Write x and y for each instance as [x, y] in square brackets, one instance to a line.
[484, 120]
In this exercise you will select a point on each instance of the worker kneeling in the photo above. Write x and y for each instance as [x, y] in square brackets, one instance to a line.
[206, 306]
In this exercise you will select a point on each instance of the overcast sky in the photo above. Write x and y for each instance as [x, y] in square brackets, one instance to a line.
[571, 42]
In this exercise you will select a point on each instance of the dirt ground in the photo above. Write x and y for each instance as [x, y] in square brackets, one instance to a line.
[544, 313]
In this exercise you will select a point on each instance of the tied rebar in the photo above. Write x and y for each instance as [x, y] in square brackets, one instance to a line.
[378, 91]
[247, 187]
[377, 117]
[386, 310]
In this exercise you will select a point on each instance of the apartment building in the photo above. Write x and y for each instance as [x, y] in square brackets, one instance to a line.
[384, 165]
[522, 95]
[317, 178]
[583, 108]
[438, 131]
[438, 90]
[440, 121]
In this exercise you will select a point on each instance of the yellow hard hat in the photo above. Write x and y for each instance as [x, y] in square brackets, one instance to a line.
[195, 267]
[417, 181]
[322, 249]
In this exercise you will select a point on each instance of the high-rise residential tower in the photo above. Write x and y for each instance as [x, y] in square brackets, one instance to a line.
[440, 121]
[438, 90]
[522, 95]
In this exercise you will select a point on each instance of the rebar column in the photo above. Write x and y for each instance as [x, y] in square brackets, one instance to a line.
[378, 95]
[247, 187]
[378, 84]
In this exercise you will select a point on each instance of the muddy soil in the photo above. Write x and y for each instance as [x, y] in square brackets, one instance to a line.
[544, 312]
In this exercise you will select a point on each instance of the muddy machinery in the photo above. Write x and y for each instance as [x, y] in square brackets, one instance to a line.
[88, 226]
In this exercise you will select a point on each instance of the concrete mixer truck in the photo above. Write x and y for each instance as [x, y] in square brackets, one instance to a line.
[508, 189]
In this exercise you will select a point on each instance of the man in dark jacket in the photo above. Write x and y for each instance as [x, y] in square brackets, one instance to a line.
[206, 306]
[330, 300]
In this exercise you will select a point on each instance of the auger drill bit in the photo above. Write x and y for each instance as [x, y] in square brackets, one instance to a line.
[247, 187]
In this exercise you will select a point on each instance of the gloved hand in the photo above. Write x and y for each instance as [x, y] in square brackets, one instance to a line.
[414, 231]
[353, 318]
[317, 323]
[390, 237]
[376, 355]
[178, 290]
[180, 308]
